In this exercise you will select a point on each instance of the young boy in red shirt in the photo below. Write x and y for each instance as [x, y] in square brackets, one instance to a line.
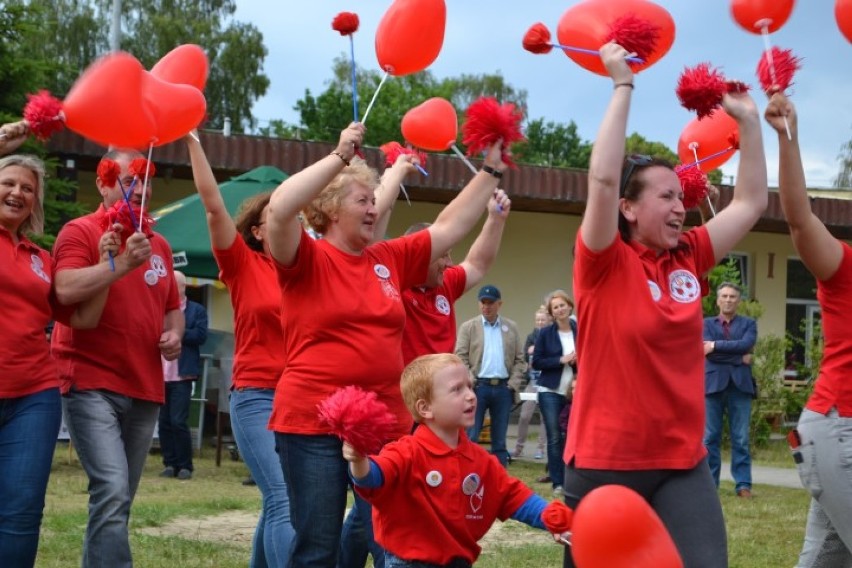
[435, 493]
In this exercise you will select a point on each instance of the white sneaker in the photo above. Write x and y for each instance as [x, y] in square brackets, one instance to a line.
[558, 492]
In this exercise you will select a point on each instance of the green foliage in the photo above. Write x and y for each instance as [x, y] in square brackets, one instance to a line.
[728, 271]
[767, 369]
[844, 172]
[637, 144]
[554, 144]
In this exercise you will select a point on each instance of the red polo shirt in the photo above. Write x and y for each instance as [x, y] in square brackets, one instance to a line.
[430, 318]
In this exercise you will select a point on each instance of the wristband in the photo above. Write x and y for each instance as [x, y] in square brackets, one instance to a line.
[617, 85]
[492, 171]
[339, 155]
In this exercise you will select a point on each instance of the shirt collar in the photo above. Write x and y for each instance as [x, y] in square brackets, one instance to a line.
[485, 322]
[436, 446]
[22, 239]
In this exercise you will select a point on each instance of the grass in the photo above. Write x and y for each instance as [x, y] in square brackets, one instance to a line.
[765, 532]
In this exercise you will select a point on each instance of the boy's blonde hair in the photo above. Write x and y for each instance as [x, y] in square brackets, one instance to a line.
[417, 379]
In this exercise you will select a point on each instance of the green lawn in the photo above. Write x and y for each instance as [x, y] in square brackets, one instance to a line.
[765, 532]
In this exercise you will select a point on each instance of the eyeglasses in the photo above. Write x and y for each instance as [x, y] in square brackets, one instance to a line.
[631, 163]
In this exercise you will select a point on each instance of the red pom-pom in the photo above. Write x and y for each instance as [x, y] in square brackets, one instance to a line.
[786, 64]
[487, 121]
[636, 35]
[358, 417]
[43, 114]
[701, 89]
[694, 184]
[393, 150]
[557, 517]
[108, 172]
[346, 23]
[537, 39]
[138, 167]
[120, 213]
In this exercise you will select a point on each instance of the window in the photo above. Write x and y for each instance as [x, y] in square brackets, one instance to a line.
[802, 316]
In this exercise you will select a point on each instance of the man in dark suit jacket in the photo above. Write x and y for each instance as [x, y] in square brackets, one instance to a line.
[729, 387]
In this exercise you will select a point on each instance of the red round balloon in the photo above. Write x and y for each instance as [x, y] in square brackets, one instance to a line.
[186, 64]
[105, 104]
[614, 527]
[432, 125]
[843, 15]
[587, 25]
[710, 135]
[176, 108]
[754, 15]
[410, 35]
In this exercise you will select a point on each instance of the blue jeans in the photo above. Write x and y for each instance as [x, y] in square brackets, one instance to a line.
[175, 437]
[397, 562]
[738, 406]
[29, 426]
[112, 434]
[357, 540]
[498, 401]
[551, 405]
[317, 478]
[273, 537]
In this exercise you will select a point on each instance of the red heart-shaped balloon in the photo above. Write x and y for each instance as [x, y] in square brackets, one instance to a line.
[176, 108]
[714, 134]
[432, 125]
[614, 527]
[843, 15]
[105, 104]
[185, 64]
[410, 35]
[754, 15]
[587, 25]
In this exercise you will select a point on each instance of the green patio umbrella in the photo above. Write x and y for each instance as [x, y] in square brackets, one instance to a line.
[184, 223]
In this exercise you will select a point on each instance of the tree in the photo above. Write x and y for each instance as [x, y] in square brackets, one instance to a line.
[844, 173]
[151, 28]
[554, 144]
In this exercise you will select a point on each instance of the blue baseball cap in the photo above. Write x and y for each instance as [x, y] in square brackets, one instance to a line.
[489, 293]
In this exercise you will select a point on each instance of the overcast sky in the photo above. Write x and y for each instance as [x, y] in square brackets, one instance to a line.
[485, 37]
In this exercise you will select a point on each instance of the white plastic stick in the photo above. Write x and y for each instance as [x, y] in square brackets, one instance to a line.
[464, 159]
[376, 94]
[145, 188]
[767, 47]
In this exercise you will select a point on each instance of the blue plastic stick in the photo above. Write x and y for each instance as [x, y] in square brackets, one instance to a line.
[593, 52]
[111, 262]
[127, 201]
[705, 158]
[421, 170]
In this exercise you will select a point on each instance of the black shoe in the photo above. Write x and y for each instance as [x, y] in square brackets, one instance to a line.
[248, 481]
[169, 471]
[184, 474]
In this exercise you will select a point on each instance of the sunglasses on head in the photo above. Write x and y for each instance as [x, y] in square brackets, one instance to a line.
[632, 162]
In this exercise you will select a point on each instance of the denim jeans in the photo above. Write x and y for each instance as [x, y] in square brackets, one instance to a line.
[357, 539]
[175, 437]
[551, 405]
[738, 406]
[317, 478]
[29, 426]
[273, 537]
[498, 401]
[397, 562]
[112, 434]
[825, 472]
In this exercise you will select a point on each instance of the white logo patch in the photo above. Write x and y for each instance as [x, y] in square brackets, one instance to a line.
[37, 266]
[442, 304]
[684, 286]
[381, 271]
[656, 294]
[158, 265]
[151, 277]
[434, 478]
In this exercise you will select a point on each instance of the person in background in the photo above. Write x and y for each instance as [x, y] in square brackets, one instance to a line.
[112, 375]
[342, 298]
[555, 357]
[729, 386]
[180, 377]
[637, 418]
[529, 407]
[241, 250]
[491, 347]
[30, 407]
[822, 440]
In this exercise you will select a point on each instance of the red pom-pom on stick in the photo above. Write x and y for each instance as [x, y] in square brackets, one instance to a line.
[701, 89]
[487, 121]
[108, 172]
[785, 66]
[358, 417]
[126, 215]
[43, 114]
[694, 184]
[635, 34]
[537, 39]
[346, 23]
[393, 150]
[140, 166]
[557, 517]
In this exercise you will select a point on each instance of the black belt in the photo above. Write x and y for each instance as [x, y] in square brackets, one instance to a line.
[493, 382]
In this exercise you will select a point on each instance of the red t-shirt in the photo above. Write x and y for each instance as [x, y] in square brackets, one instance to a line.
[833, 387]
[639, 403]
[25, 363]
[256, 298]
[430, 319]
[342, 322]
[430, 507]
[121, 355]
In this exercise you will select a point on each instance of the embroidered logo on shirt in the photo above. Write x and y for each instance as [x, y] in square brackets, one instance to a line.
[158, 266]
[442, 304]
[656, 294]
[37, 266]
[684, 286]
[476, 499]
